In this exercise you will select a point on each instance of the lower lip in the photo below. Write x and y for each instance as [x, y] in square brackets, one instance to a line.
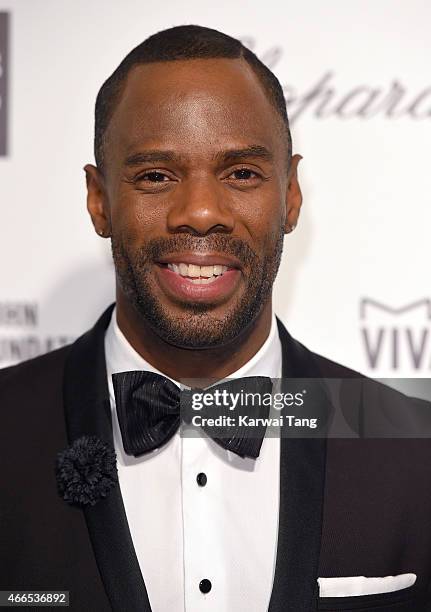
[180, 287]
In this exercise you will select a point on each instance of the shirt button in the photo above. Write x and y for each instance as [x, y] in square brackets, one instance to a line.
[205, 585]
[201, 479]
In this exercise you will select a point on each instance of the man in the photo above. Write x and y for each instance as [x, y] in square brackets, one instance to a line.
[196, 185]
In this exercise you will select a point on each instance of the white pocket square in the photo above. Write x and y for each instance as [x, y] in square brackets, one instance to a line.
[363, 585]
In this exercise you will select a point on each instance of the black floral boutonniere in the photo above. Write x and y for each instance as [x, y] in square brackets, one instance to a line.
[86, 471]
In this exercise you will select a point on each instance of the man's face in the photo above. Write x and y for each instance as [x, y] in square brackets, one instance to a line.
[195, 194]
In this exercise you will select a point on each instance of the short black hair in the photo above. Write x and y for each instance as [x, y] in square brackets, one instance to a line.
[180, 43]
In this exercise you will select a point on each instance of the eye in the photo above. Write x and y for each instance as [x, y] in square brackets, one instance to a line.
[153, 177]
[244, 174]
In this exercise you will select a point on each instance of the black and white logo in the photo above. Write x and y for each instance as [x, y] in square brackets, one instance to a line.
[4, 43]
[328, 96]
[396, 338]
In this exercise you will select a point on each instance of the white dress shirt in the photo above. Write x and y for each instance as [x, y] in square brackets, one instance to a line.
[225, 531]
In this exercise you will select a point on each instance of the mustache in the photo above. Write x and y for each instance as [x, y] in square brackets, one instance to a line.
[156, 248]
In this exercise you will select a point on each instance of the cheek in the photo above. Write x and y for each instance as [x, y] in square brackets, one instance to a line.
[263, 220]
[136, 218]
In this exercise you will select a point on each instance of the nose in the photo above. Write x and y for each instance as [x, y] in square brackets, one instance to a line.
[200, 207]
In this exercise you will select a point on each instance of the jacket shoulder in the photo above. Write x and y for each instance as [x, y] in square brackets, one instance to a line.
[34, 373]
[332, 369]
[303, 362]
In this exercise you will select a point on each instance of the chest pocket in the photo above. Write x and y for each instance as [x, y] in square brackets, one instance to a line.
[405, 600]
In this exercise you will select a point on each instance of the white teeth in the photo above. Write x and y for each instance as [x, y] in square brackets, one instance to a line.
[194, 271]
[207, 271]
[198, 273]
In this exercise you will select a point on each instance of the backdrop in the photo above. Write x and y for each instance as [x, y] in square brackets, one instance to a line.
[354, 281]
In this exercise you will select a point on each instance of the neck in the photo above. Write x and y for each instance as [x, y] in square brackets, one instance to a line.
[179, 363]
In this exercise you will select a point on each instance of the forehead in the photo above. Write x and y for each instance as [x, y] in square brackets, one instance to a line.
[199, 104]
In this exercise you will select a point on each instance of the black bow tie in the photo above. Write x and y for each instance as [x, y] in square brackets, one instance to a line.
[148, 408]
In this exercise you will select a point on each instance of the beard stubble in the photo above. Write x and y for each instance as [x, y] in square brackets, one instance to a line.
[198, 327]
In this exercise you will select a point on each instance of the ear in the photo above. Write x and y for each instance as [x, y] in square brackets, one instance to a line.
[293, 195]
[97, 202]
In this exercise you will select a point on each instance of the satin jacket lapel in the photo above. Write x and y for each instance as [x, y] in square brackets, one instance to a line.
[87, 411]
[302, 477]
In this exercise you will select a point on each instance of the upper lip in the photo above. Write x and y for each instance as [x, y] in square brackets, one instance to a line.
[200, 259]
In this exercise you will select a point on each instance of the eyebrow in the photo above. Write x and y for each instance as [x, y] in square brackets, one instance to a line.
[156, 155]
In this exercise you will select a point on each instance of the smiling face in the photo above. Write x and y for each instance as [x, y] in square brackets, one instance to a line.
[196, 195]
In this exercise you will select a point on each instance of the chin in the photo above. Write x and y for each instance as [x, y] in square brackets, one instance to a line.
[196, 328]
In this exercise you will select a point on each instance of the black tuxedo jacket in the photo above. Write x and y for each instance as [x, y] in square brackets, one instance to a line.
[348, 507]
